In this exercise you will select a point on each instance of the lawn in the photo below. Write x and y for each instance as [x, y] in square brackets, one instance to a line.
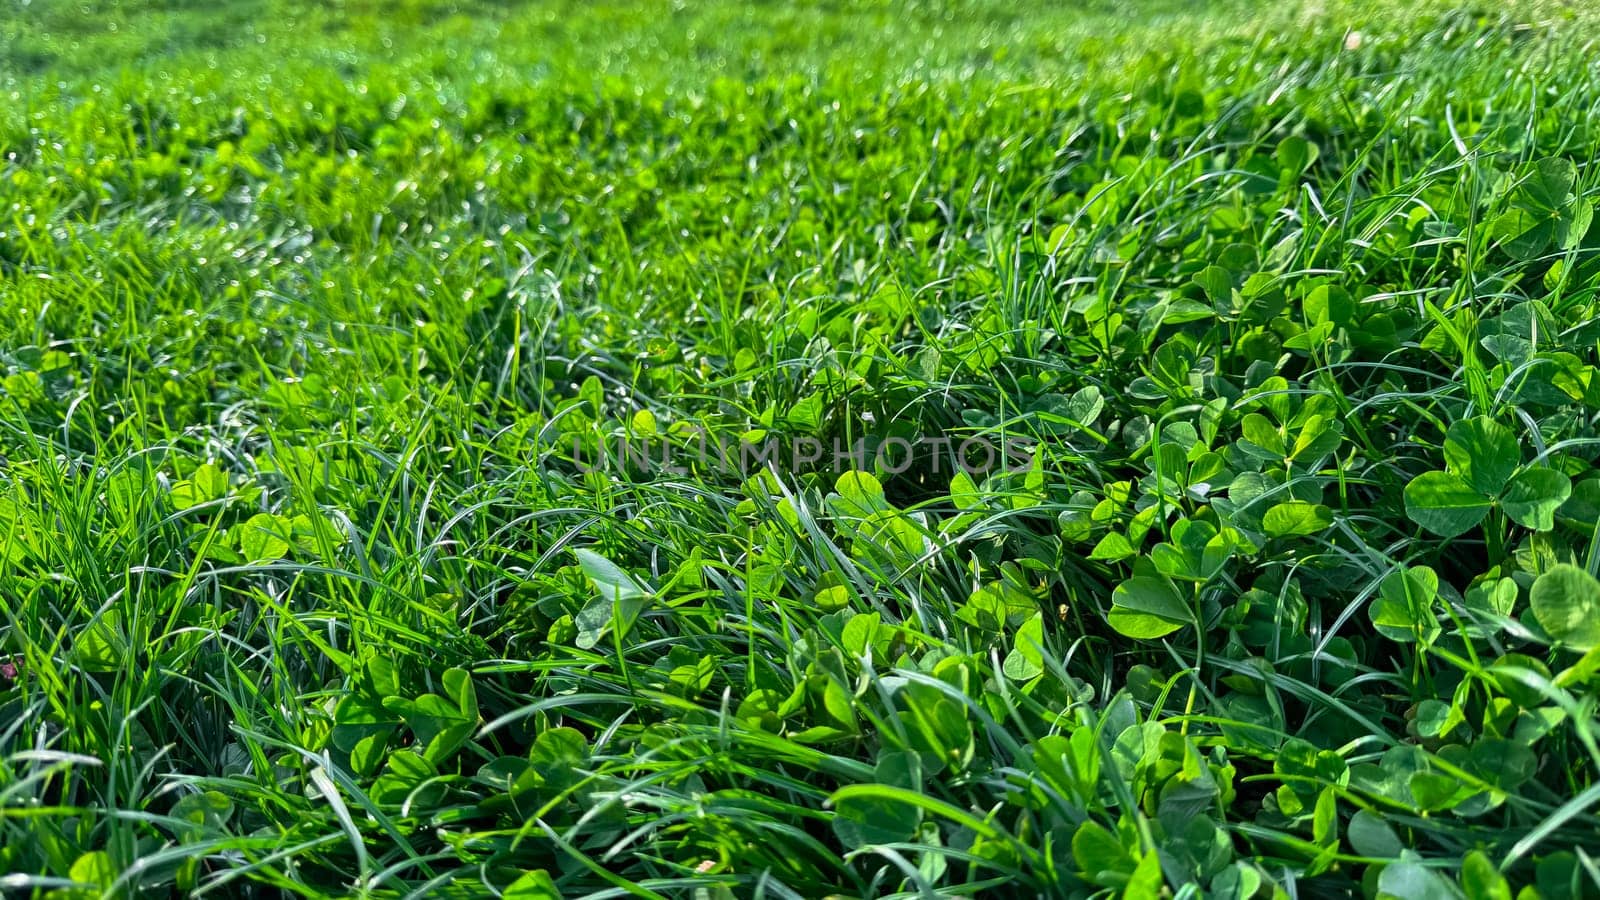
[722, 449]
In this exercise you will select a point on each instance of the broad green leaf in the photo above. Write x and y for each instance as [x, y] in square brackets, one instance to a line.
[1403, 609]
[1325, 819]
[1534, 495]
[1497, 597]
[594, 393]
[644, 423]
[899, 768]
[1084, 406]
[862, 489]
[1560, 876]
[1408, 880]
[206, 484]
[535, 884]
[1217, 283]
[1434, 791]
[1026, 659]
[102, 645]
[1296, 517]
[358, 717]
[1504, 763]
[1582, 509]
[807, 413]
[557, 749]
[1146, 883]
[1483, 452]
[1574, 224]
[1241, 881]
[1566, 602]
[1435, 718]
[620, 598]
[865, 818]
[1371, 836]
[1481, 880]
[1296, 154]
[1100, 856]
[1259, 432]
[1148, 607]
[366, 753]
[1522, 233]
[1509, 673]
[1443, 503]
[1318, 435]
[265, 538]
[998, 604]
[206, 812]
[458, 687]
[1328, 305]
[831, 597]
[1112, 548]
[1547, 187]
[439, 725]
[94, 869]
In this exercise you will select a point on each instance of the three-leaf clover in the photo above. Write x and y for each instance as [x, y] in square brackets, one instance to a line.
[1545, 211]
[1483, 470]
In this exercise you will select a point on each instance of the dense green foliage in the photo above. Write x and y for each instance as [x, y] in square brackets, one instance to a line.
[317, 319]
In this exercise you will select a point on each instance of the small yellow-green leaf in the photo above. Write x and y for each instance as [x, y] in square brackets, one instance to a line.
[1296, 517]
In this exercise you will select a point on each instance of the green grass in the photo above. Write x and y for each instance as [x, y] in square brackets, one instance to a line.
[316, 321]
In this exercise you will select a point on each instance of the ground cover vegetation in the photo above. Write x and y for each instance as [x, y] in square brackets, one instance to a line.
[317, 320]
